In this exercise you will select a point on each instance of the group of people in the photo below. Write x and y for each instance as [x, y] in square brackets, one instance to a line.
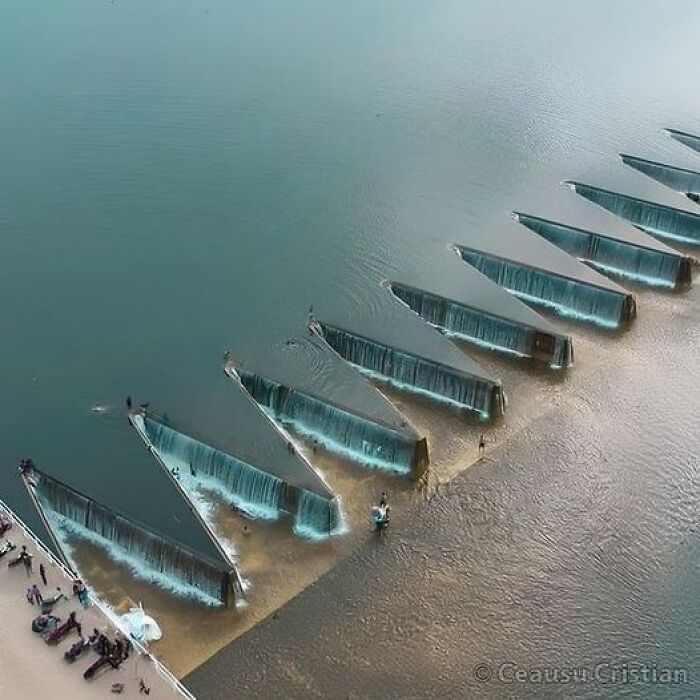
[117, 651]
[112, 653]
[34, 595]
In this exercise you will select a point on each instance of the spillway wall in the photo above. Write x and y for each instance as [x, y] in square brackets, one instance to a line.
[416, 374]
[487, 330]
[316, 517]
[249, 489]
[656, 219]
[686, 139]
[338, 430]
[151, 555]
[253, 491]
[634, 262]
[678, 179]
[566, 296]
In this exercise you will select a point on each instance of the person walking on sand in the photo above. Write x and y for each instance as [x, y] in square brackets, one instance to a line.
[26, 560]
[482, 445]
[30, 596]
[36, 594]
[42, 573]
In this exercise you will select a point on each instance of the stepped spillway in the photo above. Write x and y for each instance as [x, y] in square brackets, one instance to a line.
[240, 454]
[656, 219]
[149, 554]
[685, 138]
[310, 390]
[681, 180]
[644, 260]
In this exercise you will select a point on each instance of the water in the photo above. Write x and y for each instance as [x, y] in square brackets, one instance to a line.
[415, 374]
[657, 268]
[180, 178]
[248, 489]
[657, 219]
[565, 296]
[147, 554]
[485, 330]
[338, 430]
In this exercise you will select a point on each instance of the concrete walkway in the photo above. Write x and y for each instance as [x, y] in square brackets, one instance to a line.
[29, 668]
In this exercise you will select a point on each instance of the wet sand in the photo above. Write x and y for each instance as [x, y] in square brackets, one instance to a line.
[558, 549]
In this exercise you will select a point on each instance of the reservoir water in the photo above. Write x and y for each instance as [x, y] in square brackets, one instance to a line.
[179, 179]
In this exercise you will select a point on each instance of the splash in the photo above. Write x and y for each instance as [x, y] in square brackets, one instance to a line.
[138, 567]
[339, 431]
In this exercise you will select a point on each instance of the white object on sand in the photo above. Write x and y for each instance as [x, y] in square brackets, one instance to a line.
[140, 626]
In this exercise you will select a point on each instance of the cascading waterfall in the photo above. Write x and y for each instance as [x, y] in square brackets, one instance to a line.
[148, 555]
[679, 179]
[656, 219]
[316, 517]
[248, 489]
[634, 262]
[566, 296]
[486, 330]
[339, 431]
[416, 374]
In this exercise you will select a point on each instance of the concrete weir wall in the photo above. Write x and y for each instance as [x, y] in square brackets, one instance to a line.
[656, 219]
[679, 179]
[473, 325]
[341, 430]
[566, 296]
[248, 488]
[685, 138]
[64, 508]
[416, 374]
[632, 261]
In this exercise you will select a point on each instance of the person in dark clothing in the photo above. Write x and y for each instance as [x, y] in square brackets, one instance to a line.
[482, 444]
[383, 500]
[36, 593]
[42, 573]
[128, 402]
[26, 560]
